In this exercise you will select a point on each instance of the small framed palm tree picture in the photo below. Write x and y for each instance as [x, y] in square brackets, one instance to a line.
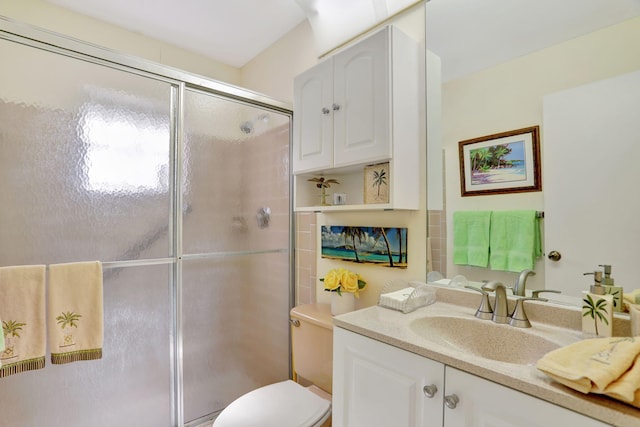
[376, 183]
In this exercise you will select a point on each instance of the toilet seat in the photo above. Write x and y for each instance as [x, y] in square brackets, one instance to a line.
[283, 404]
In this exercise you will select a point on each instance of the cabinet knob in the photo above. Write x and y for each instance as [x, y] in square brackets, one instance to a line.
[430, 390]
[451, 401]
[325, 110]
[335, 107]
[554, 256]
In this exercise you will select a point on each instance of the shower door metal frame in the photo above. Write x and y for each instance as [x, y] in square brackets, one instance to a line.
[179, 80]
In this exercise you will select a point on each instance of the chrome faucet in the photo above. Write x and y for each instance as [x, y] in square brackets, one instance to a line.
[484, 310]
[519, 317]
[500, 309]
[519, 288]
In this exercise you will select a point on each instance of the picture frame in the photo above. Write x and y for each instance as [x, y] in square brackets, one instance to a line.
[376, 183]
[381, 246]
[501, 163]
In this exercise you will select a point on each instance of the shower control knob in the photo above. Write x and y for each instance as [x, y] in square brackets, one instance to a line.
[325, 110]
[554, 256]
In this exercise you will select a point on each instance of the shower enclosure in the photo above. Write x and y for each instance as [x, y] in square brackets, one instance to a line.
[180, 187]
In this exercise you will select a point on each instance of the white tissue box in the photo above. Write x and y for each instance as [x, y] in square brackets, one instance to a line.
[406, 297]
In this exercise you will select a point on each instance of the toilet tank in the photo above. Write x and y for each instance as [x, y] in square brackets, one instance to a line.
[312, 344]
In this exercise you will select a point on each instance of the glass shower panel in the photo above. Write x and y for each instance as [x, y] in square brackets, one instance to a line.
[236, 265]
[129, 386]
[235, 328]
[236, 162]
[86, 149]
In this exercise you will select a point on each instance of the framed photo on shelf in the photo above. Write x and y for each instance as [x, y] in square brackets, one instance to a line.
[376, 183]
[506, 162]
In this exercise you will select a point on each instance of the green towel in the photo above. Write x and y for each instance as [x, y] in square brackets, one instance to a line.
[471, 238]
[515, 240]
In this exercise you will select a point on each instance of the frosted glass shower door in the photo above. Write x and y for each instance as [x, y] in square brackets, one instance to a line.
[235, 268]
[85, 167]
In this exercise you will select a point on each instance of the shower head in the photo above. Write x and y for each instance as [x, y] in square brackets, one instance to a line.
[246, 127]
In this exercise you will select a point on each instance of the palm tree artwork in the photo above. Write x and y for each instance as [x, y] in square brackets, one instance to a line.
[11, 329]
[322, 183]
[69, 319]
[382, 246]
[379, 179]
[399, 236]
[379, 232]
[497, 163]
[596, 310]
[353, 233]
[376, 183]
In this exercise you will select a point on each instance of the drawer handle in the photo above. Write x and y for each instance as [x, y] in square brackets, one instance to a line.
[451, 401]
[430, 390]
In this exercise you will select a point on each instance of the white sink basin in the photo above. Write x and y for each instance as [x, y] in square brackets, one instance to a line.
[484, 338]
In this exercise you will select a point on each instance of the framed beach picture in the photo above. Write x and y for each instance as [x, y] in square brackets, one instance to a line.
[384, 246]
[507, 162]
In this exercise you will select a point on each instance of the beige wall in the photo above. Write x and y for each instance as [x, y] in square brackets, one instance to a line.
[272, 71]
[509, 96]
[53, 18]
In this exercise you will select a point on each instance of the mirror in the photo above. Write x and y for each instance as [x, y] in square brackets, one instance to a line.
[499, 61]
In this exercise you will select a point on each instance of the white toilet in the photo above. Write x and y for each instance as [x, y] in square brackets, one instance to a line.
[288, 403]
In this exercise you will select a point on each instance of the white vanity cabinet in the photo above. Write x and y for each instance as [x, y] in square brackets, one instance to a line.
[378, 385]
[484, 403]
[360, 107]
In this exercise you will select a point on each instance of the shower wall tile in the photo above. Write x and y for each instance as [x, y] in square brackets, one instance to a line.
[438, 238]
[306, 252]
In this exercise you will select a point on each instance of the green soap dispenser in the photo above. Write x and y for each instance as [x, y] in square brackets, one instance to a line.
[597, 309]
[611, 289]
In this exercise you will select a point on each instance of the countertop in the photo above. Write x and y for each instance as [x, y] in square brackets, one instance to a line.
[393, 327]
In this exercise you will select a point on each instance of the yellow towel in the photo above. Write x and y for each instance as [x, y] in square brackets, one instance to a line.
[627, 387]
[591, 365]
[632, 297]
[75, 312]
[22, 307]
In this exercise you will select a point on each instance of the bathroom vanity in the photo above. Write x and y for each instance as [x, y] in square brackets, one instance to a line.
[412, 369]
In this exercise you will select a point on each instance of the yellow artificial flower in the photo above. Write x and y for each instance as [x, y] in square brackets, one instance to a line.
[332, 280]
[349, 281]
[341, 280]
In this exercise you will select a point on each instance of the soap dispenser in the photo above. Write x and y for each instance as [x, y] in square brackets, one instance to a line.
[597, 309]
[610, 289]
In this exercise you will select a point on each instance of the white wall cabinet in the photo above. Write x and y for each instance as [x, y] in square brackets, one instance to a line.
[378, 385]
[362, 106]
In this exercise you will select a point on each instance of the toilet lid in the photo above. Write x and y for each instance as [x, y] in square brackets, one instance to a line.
[283, 404]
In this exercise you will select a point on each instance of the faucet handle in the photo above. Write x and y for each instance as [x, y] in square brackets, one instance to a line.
[535, 294]
[519, 316]
[484, 310]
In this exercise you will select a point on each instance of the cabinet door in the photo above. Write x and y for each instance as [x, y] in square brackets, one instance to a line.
[361, 116]
[313, 120]
[377, 385]
[484, 403]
